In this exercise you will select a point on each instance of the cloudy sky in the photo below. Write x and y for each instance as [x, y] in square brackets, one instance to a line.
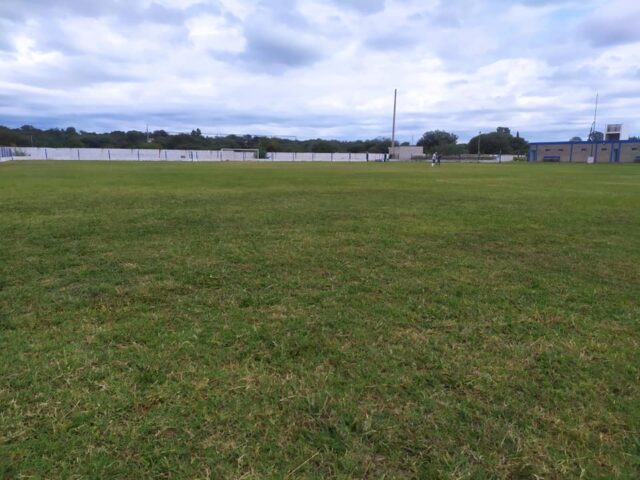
[321, 68]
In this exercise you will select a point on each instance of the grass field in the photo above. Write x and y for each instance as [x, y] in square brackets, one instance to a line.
[319, 321]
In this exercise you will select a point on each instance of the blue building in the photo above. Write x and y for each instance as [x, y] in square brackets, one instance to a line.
[607, 151]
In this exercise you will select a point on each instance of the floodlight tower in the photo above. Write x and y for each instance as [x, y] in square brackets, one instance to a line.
[592, 133]
[595, 119]
[393, 129]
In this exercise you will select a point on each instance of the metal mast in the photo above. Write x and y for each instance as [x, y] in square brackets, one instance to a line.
[393, 131]
[595, 119]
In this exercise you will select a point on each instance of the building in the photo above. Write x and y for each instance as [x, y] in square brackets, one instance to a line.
[607, 151]
[406, 152]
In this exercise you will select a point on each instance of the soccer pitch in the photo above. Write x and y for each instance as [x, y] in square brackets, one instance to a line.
[319, 321]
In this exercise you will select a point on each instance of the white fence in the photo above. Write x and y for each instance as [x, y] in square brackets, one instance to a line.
[6, 154]
[146, 155]
[122, 154]
[474, 159]
[323, 157]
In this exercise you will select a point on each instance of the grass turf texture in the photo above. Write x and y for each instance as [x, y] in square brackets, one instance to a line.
[319, 321]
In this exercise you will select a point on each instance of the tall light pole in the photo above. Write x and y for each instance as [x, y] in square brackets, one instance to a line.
[479, 134]
[592, 133]
[393, 130]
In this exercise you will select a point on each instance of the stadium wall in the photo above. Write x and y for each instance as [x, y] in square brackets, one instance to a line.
[619, 151]
[146, 155]
[6, 154]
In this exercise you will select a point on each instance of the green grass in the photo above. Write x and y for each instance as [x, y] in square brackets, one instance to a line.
[319, 321]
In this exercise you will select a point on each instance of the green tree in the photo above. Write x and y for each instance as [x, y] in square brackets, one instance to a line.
[500, 141]
[596, 136]
[451, 150]
[55, 137]
[519, 145]
[321, 146]
[269, 145]
[437, 139]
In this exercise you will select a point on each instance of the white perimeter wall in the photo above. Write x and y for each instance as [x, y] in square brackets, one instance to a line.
[322, 157]
[122, 154]
[118, 154]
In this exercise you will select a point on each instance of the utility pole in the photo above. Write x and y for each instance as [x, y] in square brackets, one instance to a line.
[592, 133]
[393, 131]
[147, 133]
[479, 134]
[595, 118]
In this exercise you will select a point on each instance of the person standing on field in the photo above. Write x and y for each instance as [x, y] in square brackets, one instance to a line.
[439, 157]
[434, 158]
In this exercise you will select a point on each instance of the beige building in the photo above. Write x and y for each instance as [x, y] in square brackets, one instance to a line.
[619, 151]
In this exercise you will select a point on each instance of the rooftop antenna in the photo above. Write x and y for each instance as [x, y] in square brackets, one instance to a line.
[393, 131]
[592, 132]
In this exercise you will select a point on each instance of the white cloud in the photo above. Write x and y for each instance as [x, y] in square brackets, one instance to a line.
[241, 9]
[218, 34]
[316, 68]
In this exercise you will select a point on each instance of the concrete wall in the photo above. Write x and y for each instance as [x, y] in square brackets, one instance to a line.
[145, 155]
[121, 154]
[322, 157]
[6, 154]
[630, 153]
[579, 152]
[406, 153]
[471, 158]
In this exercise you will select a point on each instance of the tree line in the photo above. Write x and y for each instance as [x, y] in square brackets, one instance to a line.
[29, 136]
[446, 143]
[490, 143]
